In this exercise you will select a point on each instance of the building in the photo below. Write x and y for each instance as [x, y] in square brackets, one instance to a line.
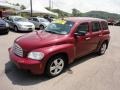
[6, 8]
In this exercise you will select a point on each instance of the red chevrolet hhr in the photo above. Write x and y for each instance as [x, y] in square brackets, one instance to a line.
[49, 51]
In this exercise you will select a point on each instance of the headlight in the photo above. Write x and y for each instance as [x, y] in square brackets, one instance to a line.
[36, 55]
[7, 25]
[32, 26]
[22, 26]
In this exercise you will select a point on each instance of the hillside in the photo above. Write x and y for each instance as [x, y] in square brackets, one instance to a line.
[61, 13]
[101, 14]
[96, 14]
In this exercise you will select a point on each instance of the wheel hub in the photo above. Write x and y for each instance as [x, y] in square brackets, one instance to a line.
[56, 66]
[104, 46]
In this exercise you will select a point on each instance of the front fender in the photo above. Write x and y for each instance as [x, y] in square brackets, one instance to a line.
[69, 49]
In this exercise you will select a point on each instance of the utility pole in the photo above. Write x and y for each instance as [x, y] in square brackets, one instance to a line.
[50, 4]
[31, 8]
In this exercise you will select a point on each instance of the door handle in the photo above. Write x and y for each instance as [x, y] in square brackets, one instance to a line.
[88, 38]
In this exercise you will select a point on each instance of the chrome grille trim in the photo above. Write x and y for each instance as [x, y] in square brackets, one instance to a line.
[29, 26]
[18, 50]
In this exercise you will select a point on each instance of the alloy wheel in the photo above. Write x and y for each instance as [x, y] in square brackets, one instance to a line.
[103, 48]
[15, 28]
[56, 66]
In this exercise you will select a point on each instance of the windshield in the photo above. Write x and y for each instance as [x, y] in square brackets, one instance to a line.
[60, 28]
[43, 20]
[20, 19]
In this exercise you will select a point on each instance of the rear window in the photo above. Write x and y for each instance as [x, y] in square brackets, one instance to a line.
[104, 25]
[96, 26]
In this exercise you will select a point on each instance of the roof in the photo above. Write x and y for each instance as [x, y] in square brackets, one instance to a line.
[38, 18]
[15, 16]
[83, 19]
[7, 5]
[37, 8]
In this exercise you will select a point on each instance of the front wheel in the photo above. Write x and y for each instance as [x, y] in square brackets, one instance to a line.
[55, 66]
[102, 49]
[16, 28]
[41, 27]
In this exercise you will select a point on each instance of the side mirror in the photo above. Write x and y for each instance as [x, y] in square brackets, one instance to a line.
[80, 33]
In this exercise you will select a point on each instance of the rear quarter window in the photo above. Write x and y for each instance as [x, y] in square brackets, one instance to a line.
[104, 25]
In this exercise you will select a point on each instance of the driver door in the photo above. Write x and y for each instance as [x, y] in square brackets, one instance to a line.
[11, 23]
[83, 42]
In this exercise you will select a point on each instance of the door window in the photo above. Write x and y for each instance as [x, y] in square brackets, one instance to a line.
[36, 20]
[96, 26]
[6, 18]
[10, 19]
[30, 19]
[84, 27]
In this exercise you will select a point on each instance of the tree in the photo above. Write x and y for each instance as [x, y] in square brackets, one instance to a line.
[76, 12]
[22, 7]
[17, 4]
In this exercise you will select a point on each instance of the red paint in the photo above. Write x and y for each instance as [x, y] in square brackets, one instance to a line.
[52, 44]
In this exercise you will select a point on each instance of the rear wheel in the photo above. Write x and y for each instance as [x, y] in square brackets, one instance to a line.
[6, 32]
[55, 66]
[102, 49]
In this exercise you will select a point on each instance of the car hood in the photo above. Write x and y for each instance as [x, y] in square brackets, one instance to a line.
[40, 39]
[24, 23]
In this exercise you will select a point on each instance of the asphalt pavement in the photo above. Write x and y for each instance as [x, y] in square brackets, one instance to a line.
[88, 73]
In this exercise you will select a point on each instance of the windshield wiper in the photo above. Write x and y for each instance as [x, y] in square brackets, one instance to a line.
[51, 31]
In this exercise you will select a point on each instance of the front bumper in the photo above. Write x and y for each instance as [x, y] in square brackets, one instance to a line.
[26, 28]
[4, 30]
[35, 67]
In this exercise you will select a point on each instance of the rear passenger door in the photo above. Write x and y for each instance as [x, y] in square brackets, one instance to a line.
[8, 21]
[96, 34]
[11, 22]
[36, 22]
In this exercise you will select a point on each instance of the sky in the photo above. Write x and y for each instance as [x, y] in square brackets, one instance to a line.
[112, 6]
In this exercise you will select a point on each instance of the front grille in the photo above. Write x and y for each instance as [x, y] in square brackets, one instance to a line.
[18, 50]
[1, 26]
[29, 26]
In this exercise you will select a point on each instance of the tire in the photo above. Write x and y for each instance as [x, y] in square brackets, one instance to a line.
[4, 33]
[16, 28]
[55, 66]
[41, 27]
[7, 32]
[102, 49]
